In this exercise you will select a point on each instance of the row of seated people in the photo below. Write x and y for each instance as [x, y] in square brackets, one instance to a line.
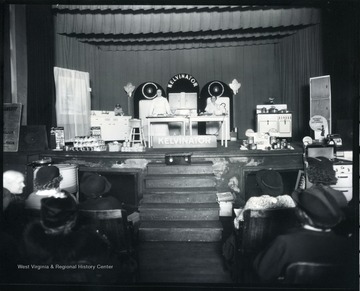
[51, 238]
[309, 228]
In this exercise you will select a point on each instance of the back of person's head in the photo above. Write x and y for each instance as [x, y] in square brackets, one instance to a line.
[317, 208]
[58, 215]
[47, 177]
[320, 171]
[270, 182]
[93, 185]
[13, 181]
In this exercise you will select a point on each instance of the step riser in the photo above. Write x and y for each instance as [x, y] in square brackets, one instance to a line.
[179, 204]
[178, 198]
[179, 183]
[180, 170]
[182, 191]
[195, 235]
[179, 214]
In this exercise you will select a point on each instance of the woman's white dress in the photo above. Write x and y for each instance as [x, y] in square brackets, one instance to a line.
[159, 106]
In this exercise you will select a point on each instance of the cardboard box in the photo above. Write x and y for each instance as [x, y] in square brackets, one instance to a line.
[226, 208]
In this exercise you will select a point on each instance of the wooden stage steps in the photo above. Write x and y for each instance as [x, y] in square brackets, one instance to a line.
[179, 204]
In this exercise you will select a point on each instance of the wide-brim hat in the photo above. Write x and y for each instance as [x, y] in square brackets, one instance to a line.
[320, 206]
[270, 182]
[93, 184]
[57, 212]
[46, 174]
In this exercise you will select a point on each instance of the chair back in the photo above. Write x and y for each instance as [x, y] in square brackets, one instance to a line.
[112, 223]
[260, 227]
[315, 274]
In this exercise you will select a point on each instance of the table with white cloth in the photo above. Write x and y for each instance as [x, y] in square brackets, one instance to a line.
[162, 119]
[212, 118]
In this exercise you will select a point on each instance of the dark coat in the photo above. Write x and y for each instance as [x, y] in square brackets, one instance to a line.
[103, 203]
[81, 247]
[302, 245]
[14, 218]
[9, 258]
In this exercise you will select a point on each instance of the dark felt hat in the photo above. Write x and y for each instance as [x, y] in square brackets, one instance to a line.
[46, 174]
[56, 212]
[93, 184]
[270, 182]
[320, 206]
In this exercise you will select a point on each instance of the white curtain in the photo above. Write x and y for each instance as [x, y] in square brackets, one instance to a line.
[72, 102]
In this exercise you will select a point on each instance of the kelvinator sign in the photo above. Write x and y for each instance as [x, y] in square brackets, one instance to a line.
[185, 141]
[182, 76]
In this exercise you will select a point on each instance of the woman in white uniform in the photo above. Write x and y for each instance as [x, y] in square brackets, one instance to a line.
[159, 107]
[213, 108]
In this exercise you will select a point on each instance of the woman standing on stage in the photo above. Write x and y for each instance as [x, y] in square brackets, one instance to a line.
[160, 107]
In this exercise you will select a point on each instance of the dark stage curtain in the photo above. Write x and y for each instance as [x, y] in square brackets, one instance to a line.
[278, 69]
[40, 50]
[253, 66]
[300, 58]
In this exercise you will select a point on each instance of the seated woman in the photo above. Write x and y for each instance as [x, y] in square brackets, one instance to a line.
[271, 186]
[94, 189]
[66, 251]
[321, 175]
[46, 184]
[271, 189]
[314, 241]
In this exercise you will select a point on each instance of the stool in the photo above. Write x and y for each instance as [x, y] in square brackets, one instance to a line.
[136, 130]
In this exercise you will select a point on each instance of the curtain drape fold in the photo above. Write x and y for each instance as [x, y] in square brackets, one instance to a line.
[168, 27]
[72, 102]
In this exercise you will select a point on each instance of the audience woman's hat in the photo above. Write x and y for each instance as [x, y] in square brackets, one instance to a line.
[320, 171]
[270, 182]
[321, 207]
[94, 185]
[46, 175]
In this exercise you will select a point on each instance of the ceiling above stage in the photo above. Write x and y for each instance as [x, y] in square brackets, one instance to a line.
[156, 27]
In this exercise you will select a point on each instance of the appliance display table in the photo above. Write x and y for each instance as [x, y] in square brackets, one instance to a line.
[206, 118]
[162, 119]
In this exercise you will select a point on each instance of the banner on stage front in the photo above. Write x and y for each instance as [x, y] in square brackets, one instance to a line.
[185, 141]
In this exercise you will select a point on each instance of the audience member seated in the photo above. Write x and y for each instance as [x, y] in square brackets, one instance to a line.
[13, 218]
[271, 189]
[271, 185]
[67, 252]
[13, 184]
[318, 212]
[94, 188]
[321, 175]
[46, 184]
